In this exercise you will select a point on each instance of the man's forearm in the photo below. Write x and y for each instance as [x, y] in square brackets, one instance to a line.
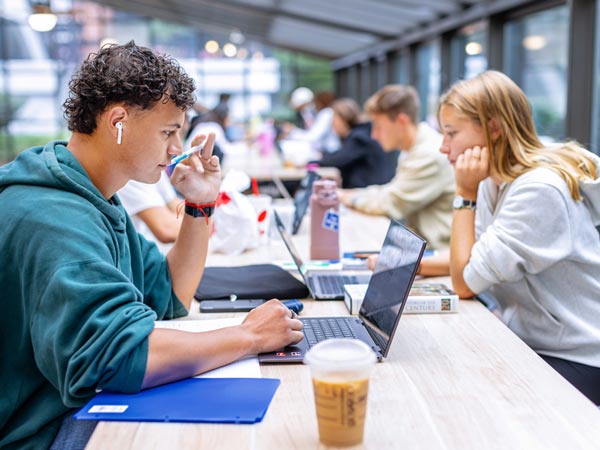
[174, 354]
[187, 257]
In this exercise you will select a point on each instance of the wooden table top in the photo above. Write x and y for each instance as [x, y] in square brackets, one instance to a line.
[451, 381]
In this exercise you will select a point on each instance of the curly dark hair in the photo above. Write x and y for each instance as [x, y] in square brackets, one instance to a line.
[130, 74]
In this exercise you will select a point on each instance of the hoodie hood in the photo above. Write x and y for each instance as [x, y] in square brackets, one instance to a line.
[54, 166]
[590, 190]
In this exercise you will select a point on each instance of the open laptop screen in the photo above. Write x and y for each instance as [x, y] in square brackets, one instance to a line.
[391, 282]
[287, 240]
[302, 198]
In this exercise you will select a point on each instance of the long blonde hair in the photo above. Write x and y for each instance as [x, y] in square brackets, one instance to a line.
[493, 100]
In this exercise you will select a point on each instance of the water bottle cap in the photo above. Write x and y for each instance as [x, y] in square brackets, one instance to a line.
[322, 185]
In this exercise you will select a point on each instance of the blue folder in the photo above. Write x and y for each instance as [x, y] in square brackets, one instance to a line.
[211, 400]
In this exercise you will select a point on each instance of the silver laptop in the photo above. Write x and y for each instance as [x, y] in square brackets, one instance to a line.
[322, 284]
[381, 308]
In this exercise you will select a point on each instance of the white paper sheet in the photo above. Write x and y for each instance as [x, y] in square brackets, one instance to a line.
[244, 368]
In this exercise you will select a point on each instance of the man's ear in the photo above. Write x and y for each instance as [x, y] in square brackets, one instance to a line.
[116, 114]
[494, 128]
[402, 119]
[116, 120]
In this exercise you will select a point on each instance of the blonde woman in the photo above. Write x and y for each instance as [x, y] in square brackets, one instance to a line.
[524, 225]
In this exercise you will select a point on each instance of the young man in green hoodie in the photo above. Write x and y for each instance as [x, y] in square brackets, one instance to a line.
[81, 289]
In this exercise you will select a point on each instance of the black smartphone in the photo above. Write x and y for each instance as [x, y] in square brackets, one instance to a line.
[226, 305]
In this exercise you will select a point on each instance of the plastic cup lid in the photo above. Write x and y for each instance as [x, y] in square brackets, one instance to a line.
[340, 354]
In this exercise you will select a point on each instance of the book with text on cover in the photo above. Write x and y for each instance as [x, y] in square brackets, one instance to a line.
[423, 298]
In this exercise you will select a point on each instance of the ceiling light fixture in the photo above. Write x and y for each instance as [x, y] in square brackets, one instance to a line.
[229, 50]
[42, 18]
[237, 37]
[211, 46]
[473, 48]
[534, 42]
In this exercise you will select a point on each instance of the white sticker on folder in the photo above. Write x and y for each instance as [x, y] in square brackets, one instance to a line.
[108, 408]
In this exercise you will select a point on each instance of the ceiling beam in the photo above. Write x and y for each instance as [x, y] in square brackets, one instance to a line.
[203, 23]
[439, 6]
[280, 11]
[472, 14]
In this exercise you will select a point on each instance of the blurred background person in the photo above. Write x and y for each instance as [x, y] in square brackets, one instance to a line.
[214, 121]
[361, 160]
[301, 102]
[153, 210]
[223, 105]
[318, 133]
[422, 190]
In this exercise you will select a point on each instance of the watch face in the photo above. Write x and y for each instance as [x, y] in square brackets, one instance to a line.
[458, 202]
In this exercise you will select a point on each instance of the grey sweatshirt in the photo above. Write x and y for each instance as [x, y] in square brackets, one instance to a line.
[537, 251]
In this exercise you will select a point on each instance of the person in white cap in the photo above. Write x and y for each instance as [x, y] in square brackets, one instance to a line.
[319, 133]
[301, 101]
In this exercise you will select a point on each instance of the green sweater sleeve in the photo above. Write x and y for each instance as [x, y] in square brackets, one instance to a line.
[87, 333]
[154, 279]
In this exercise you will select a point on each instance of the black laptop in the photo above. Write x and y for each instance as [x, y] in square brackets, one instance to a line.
[322, 284]
[302, 198]
[381, 308]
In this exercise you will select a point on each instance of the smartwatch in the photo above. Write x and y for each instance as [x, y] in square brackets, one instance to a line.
[199, 210]
[462, 203]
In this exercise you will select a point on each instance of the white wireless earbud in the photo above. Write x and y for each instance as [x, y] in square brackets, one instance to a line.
[119, 126]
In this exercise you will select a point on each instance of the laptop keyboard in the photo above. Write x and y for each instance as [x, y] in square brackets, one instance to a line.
[334, 284]
[317, 330]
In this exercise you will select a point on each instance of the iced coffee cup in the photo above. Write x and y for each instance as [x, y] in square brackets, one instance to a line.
[340, 370]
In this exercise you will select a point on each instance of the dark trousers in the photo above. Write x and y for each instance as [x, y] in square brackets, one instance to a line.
[585, 378]
[73, 434]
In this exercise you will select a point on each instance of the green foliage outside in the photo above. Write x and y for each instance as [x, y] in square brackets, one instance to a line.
[11, 146]
[299, 70]
[310, 71]
[8, 106]
[548, 122]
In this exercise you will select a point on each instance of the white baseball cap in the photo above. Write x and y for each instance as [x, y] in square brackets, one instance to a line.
[301, 96]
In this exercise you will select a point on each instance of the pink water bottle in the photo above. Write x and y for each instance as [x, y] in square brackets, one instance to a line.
[266, 138]
[324, 221]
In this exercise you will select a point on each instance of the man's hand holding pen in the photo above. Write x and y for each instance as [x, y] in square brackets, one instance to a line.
[198, 175]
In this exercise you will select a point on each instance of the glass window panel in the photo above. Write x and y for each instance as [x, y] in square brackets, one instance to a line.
[176, 40]
[596, 106]
[428, 80]
[353, 80]
[376, 75]
[365, 81]
[30, 83]
[536, 57]
[35, 68]
[401, 74]
[468, 52]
